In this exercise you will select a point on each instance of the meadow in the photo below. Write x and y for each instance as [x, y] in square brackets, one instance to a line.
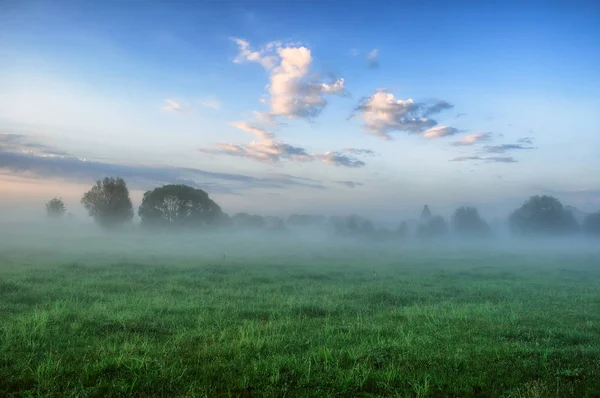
[93, 315]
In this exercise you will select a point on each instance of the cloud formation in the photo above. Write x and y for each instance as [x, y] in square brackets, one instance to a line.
[360, 151]
[502, 148]
[472, 139]
[383, 114]
[211, 103]
[349, 184]
[13, 160]
[440, 131]
[267, 149]
[491, 159]
[526, 140]
[372, 60]
[175, 106]
[292, 92]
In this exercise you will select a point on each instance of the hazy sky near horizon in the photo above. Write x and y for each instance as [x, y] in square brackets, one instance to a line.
[278, 107]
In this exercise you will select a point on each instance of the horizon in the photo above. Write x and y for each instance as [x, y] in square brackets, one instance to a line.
[274, 109]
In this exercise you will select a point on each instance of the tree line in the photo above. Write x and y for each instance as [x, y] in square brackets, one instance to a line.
[180, 206]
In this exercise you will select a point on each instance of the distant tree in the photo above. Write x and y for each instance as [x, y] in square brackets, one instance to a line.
[542, 215]
[435, 227]
[55, 207]
[425, 214]
[591, 224]
[178, 206]
[352, 225]
[402, 230]
[304, 220]
[466, 221]
[108, 202]
[245, 220]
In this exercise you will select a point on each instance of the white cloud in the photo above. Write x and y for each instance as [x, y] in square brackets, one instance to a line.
[383, 114]
[292, 92]
[440, 131]
[354, 52]
[257, 131]
[472, 139]
[211, 103]
[175, 106]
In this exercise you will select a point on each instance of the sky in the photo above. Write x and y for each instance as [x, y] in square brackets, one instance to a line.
[280, 107]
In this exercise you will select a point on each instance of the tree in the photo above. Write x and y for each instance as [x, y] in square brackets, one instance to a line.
[542, 215]
[435, 227]
[466, 221]
[178, 205]
[245, 220]
[402, 230]
[425, 214]
[55, 207]
[108, 202]
[591, 224]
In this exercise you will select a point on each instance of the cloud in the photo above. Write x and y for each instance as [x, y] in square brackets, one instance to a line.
[460, 115]
[526, 140]
[472, 139]
[175, 106]
[257, 131]
[292, 92]
[502, 148]
[383, 114]
[372, 60]
[211, 103]
[358, 151]
[339, 159]
[21, 143]
[492, 159]
[143, 176]
[349, 184]
[246, 55]
[440, 131]
[268, 149]
[354, 52]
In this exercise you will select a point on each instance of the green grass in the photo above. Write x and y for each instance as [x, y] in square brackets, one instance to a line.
[359, 321]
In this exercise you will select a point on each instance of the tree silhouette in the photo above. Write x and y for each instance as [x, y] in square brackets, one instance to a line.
[466, 221]
[591, 224]
[178, 205]
[435, 227]
[108, 202]
[425, 214]
[542, 215]
[55, 207]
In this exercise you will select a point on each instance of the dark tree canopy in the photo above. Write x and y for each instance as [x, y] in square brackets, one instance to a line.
[108, 202]
[542, 215]
[352, 225]
[178, 205]
[591, 224]
[466, 221]
[435, 227]
[55, 207]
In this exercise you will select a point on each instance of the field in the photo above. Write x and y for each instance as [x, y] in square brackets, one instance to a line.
[215, 316]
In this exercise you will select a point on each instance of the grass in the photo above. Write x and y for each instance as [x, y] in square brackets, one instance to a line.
[346, 321]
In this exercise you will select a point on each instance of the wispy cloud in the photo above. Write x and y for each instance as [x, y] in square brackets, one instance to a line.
[526, 140]
[383, 114]
[354, 52]
[472, 139]
[372, 60]
[491, 159]
[349, 184]
[503, 148]
[360, 151]
[340, 159]
[175, 106]
[211, 103]
[440, 131]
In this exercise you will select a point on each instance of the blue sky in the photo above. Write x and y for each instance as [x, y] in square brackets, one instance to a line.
[367, 107]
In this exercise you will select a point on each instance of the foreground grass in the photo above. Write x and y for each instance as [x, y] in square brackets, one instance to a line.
[347, 323]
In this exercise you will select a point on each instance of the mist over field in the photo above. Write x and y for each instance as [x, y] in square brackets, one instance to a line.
[299, 199]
